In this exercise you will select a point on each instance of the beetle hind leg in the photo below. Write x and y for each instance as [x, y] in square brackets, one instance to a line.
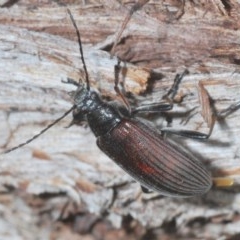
[210, 114]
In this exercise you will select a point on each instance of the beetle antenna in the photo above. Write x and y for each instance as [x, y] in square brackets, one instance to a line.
[41, 132]
[80, 48]
[70, 110]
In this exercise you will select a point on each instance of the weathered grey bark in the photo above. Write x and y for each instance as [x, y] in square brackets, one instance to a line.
[38, 49]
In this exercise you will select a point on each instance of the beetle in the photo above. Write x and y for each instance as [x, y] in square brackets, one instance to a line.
[137, 147]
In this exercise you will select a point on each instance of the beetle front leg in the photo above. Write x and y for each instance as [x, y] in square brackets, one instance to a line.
[117, 69]
[138, 5]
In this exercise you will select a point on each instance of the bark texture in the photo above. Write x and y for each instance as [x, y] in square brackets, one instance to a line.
[61, 186]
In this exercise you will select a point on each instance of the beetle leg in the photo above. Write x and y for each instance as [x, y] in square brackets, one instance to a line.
[188, 133]
[78, 119]
[203, 136]
[146, 190]
[153, 107]
[138, 5]
[209, 112]
[232, 108]
[116, 85]
[174, 89]
[169, 97]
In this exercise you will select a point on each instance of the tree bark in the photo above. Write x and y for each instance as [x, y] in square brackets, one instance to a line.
[61, 185]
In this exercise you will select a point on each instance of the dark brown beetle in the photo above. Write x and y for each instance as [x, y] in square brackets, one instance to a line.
[138, 148]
